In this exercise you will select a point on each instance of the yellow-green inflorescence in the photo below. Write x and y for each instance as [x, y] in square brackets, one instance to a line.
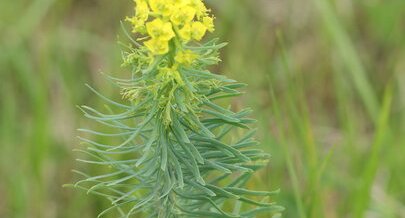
[162, 21]
[166, 27]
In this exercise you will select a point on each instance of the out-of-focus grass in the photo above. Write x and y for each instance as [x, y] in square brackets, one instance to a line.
[326, 80]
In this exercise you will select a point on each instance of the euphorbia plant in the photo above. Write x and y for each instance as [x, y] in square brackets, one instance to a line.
[178, 155]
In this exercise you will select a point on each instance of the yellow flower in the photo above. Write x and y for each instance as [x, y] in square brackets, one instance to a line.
[189, 18]
[198, 30]
[141, 15]
[200, 8]
[185, 33]
[159, 29]
[137, 24]
[209, 23]
[157, 46]
[186, 57]
[162, 7]
[142, 10]
[183, 15]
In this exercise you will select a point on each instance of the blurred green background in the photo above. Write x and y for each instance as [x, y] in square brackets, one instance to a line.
[326, 79]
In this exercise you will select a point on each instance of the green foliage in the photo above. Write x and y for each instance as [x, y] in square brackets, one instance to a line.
[330, 155]
[176, 155]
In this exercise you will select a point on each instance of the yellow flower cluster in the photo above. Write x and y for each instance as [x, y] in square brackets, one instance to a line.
[163, 20]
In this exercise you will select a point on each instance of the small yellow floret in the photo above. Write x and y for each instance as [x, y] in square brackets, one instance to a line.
[209, 23]
[138, 26]
[201, 10]
[185, 33]
[182, 15]
[141, 16]
[157, 46]
[198, 30]
[171, 73]
[160, 30]
[142, 10]
[163, 7]
[186, 57]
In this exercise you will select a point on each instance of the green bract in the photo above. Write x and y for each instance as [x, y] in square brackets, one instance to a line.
[176, 156]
